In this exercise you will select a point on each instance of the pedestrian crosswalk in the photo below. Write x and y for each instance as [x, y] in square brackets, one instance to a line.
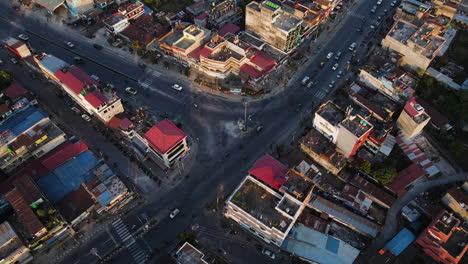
[320, 94]
[148, 78]
[138, 254]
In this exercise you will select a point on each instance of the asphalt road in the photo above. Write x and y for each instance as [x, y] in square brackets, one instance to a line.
[211, 121]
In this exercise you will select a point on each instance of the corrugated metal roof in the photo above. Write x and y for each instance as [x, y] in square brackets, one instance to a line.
[52, 63]
[74, 204]
[315, 246]
[26, 216]
[22, 121]
[400, 242]
[346, 216]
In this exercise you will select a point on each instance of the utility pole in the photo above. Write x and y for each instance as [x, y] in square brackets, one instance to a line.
[245, 115]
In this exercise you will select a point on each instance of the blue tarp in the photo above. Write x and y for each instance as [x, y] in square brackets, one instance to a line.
[22, 121]
[400, 242]
[69, 176]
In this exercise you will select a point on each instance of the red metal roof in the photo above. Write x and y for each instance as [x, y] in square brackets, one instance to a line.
[75, 79]
[63, 154]
[196, 53]
[405, 178]
[409, 107]
[74, 204]
[250, 70]
[229, 28]
[96, 98]
[205, 52]
[164, 135]
[25, 215]
[15, 91]
[270, 171]
[125, 123]
[262, 60]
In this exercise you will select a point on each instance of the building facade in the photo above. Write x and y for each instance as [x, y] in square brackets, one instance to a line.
[275, 26]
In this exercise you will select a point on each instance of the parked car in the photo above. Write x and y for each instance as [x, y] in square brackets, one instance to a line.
[174, 213]
[78, 60]
[131, 90]
[352, 46]
[330, 55]
[269, 253]
[305, 80]
[311, 83]
[23, 37]
[335, 66]
[69, 44]
[76, 110]
[379, 2]
[14, 61]
[98, 47]
[338, 55]
[332, 83]
[176, 87]
[322, 64]
[340, 73]
[94, 77]
[86, 117]
[110, 86]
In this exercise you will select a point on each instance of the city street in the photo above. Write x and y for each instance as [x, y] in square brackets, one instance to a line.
[223, 156]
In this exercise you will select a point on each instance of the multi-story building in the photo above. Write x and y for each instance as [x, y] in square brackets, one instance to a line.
[223, 12]
[412, 119]
[120, 20]
[456, 199]
[348, 131]
[116, 23]
[183, 40]
[78, 7]
[419, 45]
[13, 250]
[265, 203]
[17, 48]
[164, 144]
[444, 239]
[25, 135]
[281, 29]
[101, 103]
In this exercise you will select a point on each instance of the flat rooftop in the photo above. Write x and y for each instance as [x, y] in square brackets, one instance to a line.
[184, 43]
[194, 31]
[173, 37]
[319, 144]
[225, 54]
[357, 125]
[188, 254]
[330, 112]
[402, 31]
[457, 242]
[297, 185]
[286, 22]
[260, 204]
[114, 19]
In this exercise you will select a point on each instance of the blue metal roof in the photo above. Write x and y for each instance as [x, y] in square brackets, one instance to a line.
[22, 121]
[400, 242]
[332, 244]
[52, 63]
[69, 176]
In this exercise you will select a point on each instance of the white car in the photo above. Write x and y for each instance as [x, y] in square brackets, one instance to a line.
[335, 66]
[330, 55]
[131, 90]
[174, 213]
[269, 253]
[176, 87]
[379, 2]
[331, 84]
[14, 61]
[305, 80]
[86, 117]
[76, 110]
[69, 44]
[372, 26]
[23, 37]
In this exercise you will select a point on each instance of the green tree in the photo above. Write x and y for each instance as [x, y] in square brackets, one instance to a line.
[365, 166]
[384, 175]
[41, 213]
[187, 237]
[5, 79]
